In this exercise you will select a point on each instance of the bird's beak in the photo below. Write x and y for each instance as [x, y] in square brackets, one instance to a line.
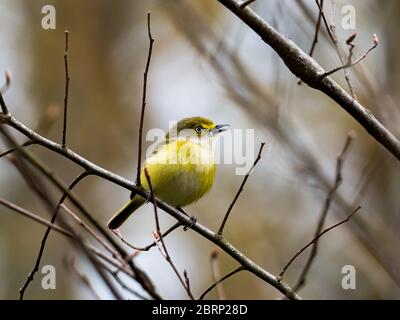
[220, 128]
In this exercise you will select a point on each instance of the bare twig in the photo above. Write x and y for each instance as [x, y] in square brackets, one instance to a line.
[245, 3]
[85, 226]
[146, 70]
[25, 144]
[163, 248]
[97, 265]
[34, 217]
[315, 240]
[216, 274]
[221, 228]
[3, 106]
[247, 99]
[140, 276]
[351, 63]
[187, 280]
[111, 261]
[149, 246]
[220, 280]
[317, 26]
[338, 180]
[309, 71]
[114, 178]
[31, 275]
[40, 189]
[124, 286]
[327, 204]
[331, 29]
[121, 237]
[64, 134]
[62, 231]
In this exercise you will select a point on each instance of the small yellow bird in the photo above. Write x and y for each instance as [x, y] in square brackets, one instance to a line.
[181, 169]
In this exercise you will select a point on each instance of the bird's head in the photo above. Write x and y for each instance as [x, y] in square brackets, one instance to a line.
[196, 127]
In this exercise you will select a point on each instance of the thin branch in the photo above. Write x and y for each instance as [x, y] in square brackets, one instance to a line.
[25, 144]
[114, 178]
[38, 187]
[351, 63]
[221, 228]
[331, 29]
[69, 233]
[163, 248]
[338, 180]
[146, 70]
[62, 231]
[3, 106]
[111, 261]
[317, 27]
[327, 204]
[309, 71]
[31, 275]
[245, 3]
[34, 217]
[64, 134]
[124, 286]
[97, 265]
[315, 240]
[184, 16]
[163, 235]
[140, 276]
[216, 274]
[220, 280]
[149, 246]
[85, 226]
[187, 281]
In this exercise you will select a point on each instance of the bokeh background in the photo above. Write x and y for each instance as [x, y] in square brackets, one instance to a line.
[206, 62]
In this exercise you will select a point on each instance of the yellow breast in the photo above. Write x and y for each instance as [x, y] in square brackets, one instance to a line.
[181, 171]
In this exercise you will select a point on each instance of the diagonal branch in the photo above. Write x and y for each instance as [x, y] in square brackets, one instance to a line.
[163, 247]
[351, 63]
[236, 254]
[140, 276]
[327, 204]
[221, 228]
[238, 269]
[331, 30]
[25, 144]
[309, 71]
[245, 3]
[34, 217]
[35, 269]
[61, 230]
[314, 241]
[3, 105]
[325, 209]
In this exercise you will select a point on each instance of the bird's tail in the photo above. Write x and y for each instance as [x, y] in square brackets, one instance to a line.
[124, 213]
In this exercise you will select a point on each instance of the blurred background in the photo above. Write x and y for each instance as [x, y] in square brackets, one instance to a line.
[207, 62]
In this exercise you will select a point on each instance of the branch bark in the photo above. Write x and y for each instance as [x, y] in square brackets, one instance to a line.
[310, 72]
[236, 254]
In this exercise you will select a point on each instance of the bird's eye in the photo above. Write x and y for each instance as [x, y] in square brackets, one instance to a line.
[198, 129]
